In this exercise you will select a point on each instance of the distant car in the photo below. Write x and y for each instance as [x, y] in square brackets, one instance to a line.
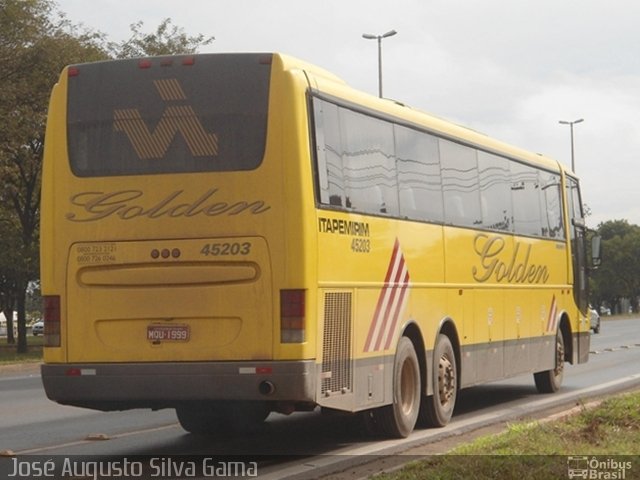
[38, 328]
[595, 321]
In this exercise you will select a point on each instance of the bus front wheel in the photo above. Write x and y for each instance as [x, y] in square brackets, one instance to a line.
[549, 381]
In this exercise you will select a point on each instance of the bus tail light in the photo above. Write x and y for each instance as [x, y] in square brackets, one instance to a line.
[292, 321]
[51, 320]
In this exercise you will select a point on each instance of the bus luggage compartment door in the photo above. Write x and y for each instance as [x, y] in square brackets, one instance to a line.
[169, 300]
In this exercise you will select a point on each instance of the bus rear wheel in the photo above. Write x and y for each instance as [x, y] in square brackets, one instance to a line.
[549, 381]
[437, 409]
[210, 418]
[399, 418]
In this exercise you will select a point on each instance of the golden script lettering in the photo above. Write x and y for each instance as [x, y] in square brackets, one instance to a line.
[516, 269]
[128, 204]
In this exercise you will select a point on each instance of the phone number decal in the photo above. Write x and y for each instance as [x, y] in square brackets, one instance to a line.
[96, 253]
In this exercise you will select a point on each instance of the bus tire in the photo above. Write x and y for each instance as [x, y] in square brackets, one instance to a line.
[437, 409]
[221, 417]
[201, 419]
[399, 418]
[549, 381]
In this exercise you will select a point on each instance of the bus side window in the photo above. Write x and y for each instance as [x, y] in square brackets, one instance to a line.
[495, 192]
[369, 163]
[460, 185]
[328, 154]
[551, 203]
[419, 178]
[525, 194]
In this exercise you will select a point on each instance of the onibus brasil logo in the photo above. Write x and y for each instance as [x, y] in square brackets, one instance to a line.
[597, 468]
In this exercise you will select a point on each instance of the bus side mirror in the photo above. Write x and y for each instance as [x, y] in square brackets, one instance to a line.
[596, 246]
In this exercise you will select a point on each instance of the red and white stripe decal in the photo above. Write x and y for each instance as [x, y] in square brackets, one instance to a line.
[391, 302]
[552, 320]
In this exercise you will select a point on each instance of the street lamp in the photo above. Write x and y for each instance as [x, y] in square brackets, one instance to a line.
[571, 124]
[368, 36]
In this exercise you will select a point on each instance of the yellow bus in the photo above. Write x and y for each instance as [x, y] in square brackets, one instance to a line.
[235, 234]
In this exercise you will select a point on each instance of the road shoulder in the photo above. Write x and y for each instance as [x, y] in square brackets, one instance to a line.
[20, 369]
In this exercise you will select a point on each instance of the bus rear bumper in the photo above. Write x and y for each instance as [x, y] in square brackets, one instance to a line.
[163, 385]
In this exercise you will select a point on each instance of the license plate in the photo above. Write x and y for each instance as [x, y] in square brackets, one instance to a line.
[168, 333]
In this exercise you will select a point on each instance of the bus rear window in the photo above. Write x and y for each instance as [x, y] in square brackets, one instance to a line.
[201, 113]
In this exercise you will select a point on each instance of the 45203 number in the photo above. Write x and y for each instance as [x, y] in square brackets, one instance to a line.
[360, 245]
[226, 249]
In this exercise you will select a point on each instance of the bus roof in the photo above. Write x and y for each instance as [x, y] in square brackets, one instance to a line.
[324, 82]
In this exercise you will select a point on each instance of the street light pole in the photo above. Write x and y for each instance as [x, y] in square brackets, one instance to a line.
[571, 124]
[369, 36]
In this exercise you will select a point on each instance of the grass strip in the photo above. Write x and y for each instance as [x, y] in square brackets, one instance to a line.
[605, 440]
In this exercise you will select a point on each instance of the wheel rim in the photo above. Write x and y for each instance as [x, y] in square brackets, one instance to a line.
[408, 388]
[446, 380]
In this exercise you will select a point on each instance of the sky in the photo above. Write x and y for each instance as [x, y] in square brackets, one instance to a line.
[511, 69]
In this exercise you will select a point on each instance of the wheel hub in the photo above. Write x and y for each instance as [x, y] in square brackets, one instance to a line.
[446, 380]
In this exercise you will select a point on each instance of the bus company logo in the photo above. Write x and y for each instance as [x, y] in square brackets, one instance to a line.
[131, 204]
[175, 119]
[391, 302]
[515, 268]
[595, 468]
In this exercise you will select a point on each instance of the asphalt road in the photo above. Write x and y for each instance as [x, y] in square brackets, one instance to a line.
[30, 424]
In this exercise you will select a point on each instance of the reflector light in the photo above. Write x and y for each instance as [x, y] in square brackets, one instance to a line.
[73, 372]
[293, 323]
[52, 308]
[292, 319]
[255, 370]
[51, 320]
[165, 253]
[144, 63]
[188, 61]
[292, 303]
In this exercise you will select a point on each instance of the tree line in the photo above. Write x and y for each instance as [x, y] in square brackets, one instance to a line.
[36, 42]
[618, 277]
